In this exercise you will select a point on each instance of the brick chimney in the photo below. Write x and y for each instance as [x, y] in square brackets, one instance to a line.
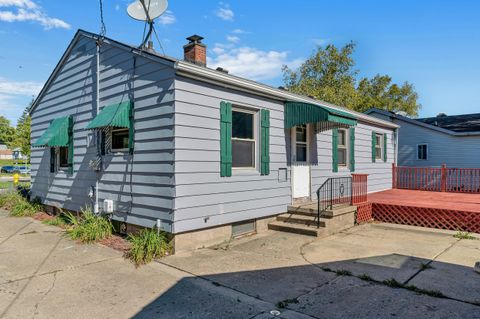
[195, 51]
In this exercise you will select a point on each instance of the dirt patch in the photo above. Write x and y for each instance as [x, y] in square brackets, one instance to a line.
[116, 242]
[42, 216]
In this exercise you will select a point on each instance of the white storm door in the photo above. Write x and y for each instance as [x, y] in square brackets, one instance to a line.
[300, 162]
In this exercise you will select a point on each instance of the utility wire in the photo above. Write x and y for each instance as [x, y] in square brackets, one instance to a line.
[103, 29]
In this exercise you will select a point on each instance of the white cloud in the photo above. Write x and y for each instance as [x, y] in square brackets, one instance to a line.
[27, 10]
[15, 96]
[320, 41]
[238, 31]
[233, 38]
[224, 12]
[167, 18]
[251, 63]
[19, 88]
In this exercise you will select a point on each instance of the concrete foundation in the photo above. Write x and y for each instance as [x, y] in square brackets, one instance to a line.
[213, 236]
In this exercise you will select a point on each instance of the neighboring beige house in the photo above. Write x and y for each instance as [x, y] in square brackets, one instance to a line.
[6, 154]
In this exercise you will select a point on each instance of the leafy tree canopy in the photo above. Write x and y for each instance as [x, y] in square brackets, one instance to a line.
[22, 133]
[329, 75]
[7, 132]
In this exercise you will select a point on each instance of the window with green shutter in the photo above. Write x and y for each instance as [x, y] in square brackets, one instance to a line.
[352, 149]
[374, 146]
[265, 142]
[225, 139]
[335, 150]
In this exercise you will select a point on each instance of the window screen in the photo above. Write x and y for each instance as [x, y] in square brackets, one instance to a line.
[120, 139]
[378, 146]
[342, 148]
[63, 157]
[422, 152]
[243, 139]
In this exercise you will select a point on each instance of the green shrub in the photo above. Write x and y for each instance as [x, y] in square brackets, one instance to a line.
[88, 227]
[60, 221]
[19, 206]
[464, 235]
[147, 245]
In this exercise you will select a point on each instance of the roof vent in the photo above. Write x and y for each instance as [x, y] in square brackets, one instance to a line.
[441, 115]
[220, 69]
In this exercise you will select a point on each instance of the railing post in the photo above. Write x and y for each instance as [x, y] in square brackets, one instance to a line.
[394, 176]
[331, 193]
[444, 177]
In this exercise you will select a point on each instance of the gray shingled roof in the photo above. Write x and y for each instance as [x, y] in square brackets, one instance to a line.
[456, 123]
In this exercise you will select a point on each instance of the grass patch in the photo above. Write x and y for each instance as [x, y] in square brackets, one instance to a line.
[464, 235]
[87, 227]
[425, 267]
[18, 205]
[284, 303]
[343, 272]
[59, 221]
[147, 245]
[6, 185]
[393, 283]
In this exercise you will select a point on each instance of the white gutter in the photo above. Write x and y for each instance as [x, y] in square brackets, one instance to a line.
[204, 74]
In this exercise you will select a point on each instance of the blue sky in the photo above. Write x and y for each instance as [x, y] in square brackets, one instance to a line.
[433, 44]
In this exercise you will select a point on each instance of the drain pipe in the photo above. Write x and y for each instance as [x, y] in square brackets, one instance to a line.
[97, 102]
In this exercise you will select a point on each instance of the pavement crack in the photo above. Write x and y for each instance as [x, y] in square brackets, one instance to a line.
[19, 230]
[35, 309]
[430, 261]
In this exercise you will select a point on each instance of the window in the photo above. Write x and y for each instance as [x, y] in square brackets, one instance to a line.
[378, 146]
[243, 139]
[62, 157]
[342, 147]
[301, 143]
[120, 139]
[422, 151]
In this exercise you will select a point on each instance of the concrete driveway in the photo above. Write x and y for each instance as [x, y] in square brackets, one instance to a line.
[45, 275]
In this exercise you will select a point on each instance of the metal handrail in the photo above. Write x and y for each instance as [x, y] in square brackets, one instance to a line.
[334, 191]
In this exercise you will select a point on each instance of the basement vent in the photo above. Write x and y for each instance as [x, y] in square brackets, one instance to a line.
[243, 228]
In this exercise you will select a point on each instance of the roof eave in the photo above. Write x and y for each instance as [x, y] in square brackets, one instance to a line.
[205, 74]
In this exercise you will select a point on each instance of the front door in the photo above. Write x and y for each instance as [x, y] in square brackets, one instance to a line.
[300, 162]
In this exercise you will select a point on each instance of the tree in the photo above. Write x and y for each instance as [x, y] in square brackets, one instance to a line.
[22, 133]
[7, 132]
[329, 75]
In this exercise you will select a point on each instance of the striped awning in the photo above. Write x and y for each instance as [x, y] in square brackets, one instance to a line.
[57, 134]
[299, 113]
[115, 115]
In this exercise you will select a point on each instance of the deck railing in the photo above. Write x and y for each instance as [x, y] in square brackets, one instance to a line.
[359, 188]
[436, 179]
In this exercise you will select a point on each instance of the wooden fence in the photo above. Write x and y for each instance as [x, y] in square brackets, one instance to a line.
[436, 179]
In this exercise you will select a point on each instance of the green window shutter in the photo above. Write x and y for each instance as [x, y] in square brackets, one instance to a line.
[70, 145]
[131, 129]
[373, 147]
[265, 142]
[52, 159]
[225, 139]
[335, 150]
[352, 149]
[385, 147]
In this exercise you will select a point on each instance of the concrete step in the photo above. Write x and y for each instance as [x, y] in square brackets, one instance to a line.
[311, 210]
[300, 219]
[296, 228]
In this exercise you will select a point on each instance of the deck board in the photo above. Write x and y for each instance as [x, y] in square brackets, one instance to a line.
[439, 200]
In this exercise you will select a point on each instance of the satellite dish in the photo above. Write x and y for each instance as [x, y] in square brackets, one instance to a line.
[147, 10]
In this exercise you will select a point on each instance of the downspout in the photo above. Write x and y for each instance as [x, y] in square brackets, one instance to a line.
[97, 102]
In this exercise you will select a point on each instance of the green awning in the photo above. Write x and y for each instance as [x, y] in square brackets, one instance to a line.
[57, 133]
[299, 113]
[115, 115]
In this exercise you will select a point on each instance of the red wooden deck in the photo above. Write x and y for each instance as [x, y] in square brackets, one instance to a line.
[454, 211]
[442, 200]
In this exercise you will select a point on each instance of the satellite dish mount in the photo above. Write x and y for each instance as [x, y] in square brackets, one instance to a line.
[147, 11]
